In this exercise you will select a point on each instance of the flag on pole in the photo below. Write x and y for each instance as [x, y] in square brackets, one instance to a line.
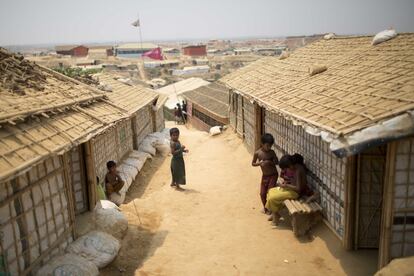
[154, 54]
[136, 23]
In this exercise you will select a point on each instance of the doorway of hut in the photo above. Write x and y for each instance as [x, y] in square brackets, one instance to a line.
[77, 178]
[370, 178]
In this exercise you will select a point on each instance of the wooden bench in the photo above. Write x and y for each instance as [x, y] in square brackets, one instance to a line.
[302, 215]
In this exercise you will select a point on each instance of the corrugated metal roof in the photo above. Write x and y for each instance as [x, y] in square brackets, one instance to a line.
[131, 46]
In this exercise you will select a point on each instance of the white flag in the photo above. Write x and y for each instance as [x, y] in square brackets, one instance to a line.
[135, 23]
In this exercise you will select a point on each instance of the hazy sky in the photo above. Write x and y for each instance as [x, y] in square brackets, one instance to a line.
[80, 21]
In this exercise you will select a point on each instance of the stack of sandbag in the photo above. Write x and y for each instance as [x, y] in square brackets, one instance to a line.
[141, 156]
[160, 141]
[147, 146]
[109, 219]
[97, 247]
[68, 264]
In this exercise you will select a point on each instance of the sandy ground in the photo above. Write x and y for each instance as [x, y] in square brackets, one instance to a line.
[214, 225]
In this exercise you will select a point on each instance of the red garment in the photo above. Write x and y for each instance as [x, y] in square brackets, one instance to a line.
[268, 182]
[154, 54]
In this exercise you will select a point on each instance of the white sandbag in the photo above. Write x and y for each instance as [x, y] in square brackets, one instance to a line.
[118, 198]
[317, 69]
[284, 55]
[143, 156]
[126, 177]
[133, 162]
[166, 133]
[383, 36]
[97, 247]
[163, 149]
[111, 221]
[147, 147]
[158, 138]
[106, 204]
[215, 130]
[329, 36]
[131, 171]
[68, 264]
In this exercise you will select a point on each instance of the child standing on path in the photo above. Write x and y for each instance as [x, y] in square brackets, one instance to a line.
[266, 158]
[177, 160]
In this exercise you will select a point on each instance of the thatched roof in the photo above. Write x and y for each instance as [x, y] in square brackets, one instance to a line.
[363, 84]
[130, 97]
[48, 115]
[27, 89]
[213, 98]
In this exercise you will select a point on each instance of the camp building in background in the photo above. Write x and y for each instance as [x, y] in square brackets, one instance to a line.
[133, 50]
[207, 106]
[72, 50]
[347, 106]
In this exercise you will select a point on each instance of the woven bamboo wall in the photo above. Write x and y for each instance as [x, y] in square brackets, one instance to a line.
[125, 139]
[105, 149]
[233, 109]
[402, 241]
[326, 171]
[160, 121]
[143, 123]
[77, 178]
[36, 219]
[239, 127]
[249, 125]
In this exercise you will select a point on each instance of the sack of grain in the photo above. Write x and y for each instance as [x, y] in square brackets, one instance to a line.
[383, 36]
[97, 247]
[111, 221]
[316, 69]
[68, 264]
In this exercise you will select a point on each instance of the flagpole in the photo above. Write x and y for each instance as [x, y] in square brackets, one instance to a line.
[140, 37]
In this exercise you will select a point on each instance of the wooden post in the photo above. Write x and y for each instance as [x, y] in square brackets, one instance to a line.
[153, 117]
[134, 132]
[90, 173]
[258, 125]
[387, 207]
[71, 195]
[350, 203]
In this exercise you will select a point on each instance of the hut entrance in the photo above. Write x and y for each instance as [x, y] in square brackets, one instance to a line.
[371, 177]
[77, 178]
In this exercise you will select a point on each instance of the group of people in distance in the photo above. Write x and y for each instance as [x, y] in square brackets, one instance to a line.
[291, 184]
[180, 113]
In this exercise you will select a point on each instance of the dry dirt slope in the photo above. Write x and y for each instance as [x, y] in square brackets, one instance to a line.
[214, 226]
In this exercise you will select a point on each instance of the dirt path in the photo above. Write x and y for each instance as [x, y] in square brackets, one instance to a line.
[214, 226]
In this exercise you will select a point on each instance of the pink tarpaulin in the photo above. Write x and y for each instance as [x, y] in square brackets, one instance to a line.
[154, 54]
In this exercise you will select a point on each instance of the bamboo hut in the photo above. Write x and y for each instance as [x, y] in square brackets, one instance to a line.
[45, 120]
[207, 106]
[347, 107]
[159, 113]
[117, 141]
